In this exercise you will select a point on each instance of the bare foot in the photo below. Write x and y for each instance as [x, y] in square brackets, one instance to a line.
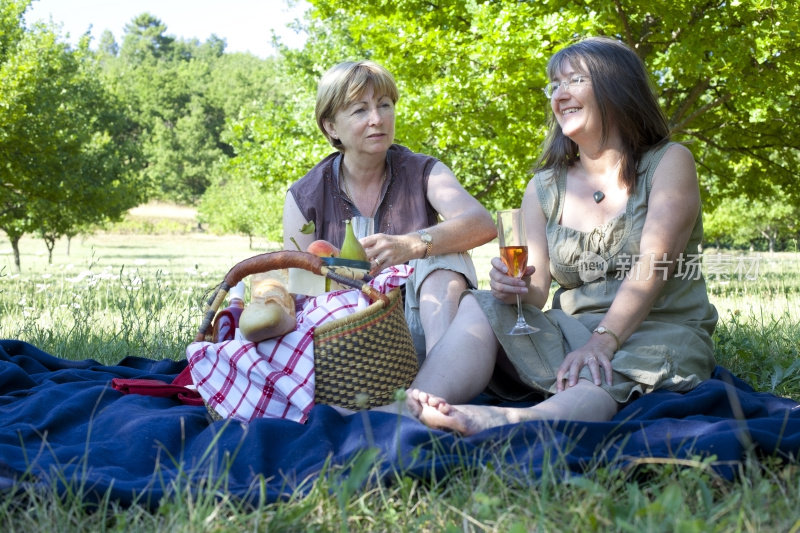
[415, 400]
[466, 419]
[406, 408]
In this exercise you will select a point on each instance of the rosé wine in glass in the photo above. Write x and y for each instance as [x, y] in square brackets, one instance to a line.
[514, 253]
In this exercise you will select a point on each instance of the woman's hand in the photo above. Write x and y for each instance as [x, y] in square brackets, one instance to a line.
[505, 287]
[386, 250]
[596, 354]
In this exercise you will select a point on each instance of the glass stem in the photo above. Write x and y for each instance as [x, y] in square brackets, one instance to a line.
[520, 318]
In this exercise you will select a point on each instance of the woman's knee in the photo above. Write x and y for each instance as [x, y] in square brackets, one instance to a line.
[470, 316]
[443, 282]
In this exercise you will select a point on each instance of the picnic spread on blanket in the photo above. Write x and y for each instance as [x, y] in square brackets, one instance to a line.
[276, 377]
[138, 430]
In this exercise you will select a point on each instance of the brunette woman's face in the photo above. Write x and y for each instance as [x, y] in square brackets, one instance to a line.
[365, 125]
[574, 103]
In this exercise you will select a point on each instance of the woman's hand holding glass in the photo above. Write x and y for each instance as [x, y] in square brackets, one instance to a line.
[506, 287]
[514, 253]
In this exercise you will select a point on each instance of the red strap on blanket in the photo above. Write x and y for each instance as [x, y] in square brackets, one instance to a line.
[184, 378]
[161, 389]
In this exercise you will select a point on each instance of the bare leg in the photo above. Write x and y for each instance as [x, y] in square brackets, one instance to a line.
[585, 401]
[460, 365]
[438, 303]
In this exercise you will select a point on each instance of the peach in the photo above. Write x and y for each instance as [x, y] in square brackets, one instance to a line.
[323, 248]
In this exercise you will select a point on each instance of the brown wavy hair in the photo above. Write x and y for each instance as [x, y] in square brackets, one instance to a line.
[625, 99]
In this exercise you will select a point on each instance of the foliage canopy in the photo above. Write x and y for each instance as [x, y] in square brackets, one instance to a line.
[86, 134]
[67, 158]
[471, 73]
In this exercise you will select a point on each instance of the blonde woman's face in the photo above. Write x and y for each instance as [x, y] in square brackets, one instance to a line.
[365, 125]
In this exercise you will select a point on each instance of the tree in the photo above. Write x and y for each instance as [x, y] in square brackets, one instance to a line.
[240, 205]
[181, 93]
[742, 221]
[471, 72]
[107, 47]
[145, 40]
[63, 142]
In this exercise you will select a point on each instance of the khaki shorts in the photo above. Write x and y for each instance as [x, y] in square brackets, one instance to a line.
[457, 262]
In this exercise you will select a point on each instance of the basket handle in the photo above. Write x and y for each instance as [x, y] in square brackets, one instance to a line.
[278, 261]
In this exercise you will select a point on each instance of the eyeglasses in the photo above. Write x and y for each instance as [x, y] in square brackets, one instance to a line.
[573, 83]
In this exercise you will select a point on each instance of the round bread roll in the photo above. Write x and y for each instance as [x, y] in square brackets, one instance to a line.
[270, 314]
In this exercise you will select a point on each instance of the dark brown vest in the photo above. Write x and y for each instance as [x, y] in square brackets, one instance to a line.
[403, 209]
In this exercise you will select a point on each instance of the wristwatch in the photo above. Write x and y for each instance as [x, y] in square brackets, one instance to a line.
[600, 330]
[428, 240]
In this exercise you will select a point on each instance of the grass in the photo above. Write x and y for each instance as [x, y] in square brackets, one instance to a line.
[120, 294]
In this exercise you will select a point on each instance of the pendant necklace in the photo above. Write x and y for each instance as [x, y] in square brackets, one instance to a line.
[598, 196]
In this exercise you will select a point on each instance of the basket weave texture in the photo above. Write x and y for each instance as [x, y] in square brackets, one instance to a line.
[362, 359]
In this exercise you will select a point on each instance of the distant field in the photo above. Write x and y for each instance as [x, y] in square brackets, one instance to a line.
[156, 236]
[745, 283]
[149, 253]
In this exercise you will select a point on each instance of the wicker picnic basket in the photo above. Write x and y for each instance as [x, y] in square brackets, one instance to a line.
[360, 359]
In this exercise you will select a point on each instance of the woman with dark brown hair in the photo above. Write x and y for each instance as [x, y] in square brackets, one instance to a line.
[613, 217]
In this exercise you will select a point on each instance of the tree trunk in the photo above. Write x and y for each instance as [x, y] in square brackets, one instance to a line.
[771, 236]
[50, 242]
[15, 247]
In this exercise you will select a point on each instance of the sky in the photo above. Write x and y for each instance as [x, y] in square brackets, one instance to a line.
[244, 24]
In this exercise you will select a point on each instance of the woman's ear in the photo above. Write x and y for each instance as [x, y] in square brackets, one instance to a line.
[330, 128]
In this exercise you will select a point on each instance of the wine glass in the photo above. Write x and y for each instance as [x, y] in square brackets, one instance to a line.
[514, 253]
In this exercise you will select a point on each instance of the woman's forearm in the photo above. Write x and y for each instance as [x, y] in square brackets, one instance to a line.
[462, 233]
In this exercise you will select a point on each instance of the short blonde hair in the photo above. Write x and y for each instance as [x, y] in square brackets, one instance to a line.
[344, 83]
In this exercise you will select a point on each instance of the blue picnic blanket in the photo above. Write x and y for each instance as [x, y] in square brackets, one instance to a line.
[61, 423]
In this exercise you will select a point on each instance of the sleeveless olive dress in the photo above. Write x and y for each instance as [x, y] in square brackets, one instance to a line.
[672, 348]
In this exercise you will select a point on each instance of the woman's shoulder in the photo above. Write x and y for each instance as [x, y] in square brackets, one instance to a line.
[669, 159]
[544, 176]
[544, 187]
[403, 153]
[406, 164]
[314, 176]
[545, 182]
[667, 151]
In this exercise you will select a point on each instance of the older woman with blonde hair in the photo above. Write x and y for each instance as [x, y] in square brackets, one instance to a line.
[422, 214]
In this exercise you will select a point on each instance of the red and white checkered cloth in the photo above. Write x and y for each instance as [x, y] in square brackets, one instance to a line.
[275, 378]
